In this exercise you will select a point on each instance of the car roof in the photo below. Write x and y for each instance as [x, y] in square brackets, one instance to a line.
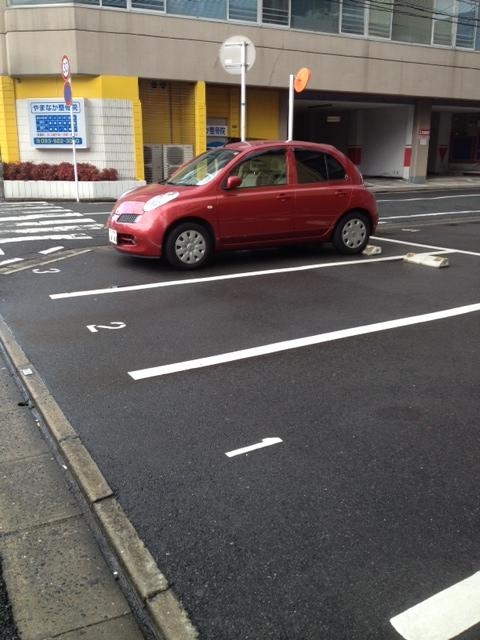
[259, 144]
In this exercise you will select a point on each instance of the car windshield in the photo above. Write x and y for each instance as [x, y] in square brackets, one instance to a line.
[202, 169]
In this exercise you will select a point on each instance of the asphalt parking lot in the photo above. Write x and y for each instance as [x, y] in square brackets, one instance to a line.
[361, 503]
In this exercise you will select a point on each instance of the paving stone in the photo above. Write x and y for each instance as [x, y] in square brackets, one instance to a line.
[58, 580]
[32, 492]
[124, 628]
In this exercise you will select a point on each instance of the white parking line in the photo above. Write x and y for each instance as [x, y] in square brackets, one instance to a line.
[297, 343]
[426, 246]
[466, 195]
[266, 442]
[70, 236]
[10, 261]
[443, 616]
[426, 215]
[51, 250]
[229, 276]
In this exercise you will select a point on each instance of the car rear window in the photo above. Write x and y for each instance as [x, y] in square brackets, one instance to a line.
[316, 166]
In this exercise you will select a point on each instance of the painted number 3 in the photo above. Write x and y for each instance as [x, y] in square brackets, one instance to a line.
[113, 325]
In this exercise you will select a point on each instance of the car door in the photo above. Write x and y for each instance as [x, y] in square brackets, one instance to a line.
[261, 208]
[323, 191]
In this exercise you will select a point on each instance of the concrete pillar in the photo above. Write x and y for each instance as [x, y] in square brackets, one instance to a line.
[420, 141]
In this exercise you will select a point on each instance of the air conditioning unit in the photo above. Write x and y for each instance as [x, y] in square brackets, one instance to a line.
[174, 155]
[153, 162]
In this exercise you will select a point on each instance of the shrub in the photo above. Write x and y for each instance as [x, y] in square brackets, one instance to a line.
[62, 171]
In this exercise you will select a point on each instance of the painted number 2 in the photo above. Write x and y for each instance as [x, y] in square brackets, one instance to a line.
[113, 325]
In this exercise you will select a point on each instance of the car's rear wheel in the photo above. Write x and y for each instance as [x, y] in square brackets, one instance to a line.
[351, 233]
[188, 246]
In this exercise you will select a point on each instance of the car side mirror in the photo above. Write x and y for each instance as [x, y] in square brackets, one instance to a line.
[233, 182]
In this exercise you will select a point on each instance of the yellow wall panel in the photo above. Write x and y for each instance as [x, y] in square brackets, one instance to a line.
[262, 114]
[107, 87]
[8, 121]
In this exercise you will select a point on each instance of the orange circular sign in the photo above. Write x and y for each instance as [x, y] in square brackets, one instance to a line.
[301, 79]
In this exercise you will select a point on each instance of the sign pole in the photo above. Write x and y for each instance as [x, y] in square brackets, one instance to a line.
[290, 108]
[243, 99]
[74, 153]
[67, 96]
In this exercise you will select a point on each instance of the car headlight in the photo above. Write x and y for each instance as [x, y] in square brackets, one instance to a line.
[157, 201]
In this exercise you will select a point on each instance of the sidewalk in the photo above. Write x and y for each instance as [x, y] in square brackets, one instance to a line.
[73, 565]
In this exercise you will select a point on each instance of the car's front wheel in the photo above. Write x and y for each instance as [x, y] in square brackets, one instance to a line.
[188, 246]
[351, 233]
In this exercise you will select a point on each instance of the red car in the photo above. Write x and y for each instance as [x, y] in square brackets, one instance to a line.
[247, 195]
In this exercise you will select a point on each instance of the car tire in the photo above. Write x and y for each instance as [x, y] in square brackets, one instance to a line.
[351, 233]
[188, 246]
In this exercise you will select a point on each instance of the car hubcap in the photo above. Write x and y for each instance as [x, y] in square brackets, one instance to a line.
[354, 233]
[190, 247]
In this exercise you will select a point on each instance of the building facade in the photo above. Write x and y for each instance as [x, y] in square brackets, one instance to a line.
[394, 84]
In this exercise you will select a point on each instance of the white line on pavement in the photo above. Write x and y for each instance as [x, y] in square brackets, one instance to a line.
[35, 224]
[39, 216]
[71, 236]
[426, 246]
[466, 195]
[297, 343]
[51, 250]
[443, 616]
[54, 229]
[266, 442]
[10, 261]
[229, 276]
[424, 215]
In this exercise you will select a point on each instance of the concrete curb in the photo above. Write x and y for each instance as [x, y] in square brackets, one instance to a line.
[168, 619]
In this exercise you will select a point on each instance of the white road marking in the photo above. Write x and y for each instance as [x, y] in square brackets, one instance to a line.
[56, 229]
[266, 442]
[71, 236]
[427, 246]
[40, 216]
[2, 252]
[51, 250]
[54, 221]
[113, 325]
[466, 195]
[443, 616]
[10, 261]
[297, 343]
[229, 276]
[426, 215]
[52, 270]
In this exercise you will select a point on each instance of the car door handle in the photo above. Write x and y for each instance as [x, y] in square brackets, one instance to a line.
[283, 196]
[341, 194]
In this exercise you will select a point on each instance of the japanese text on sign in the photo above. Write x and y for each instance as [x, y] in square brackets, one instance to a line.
[50, 125]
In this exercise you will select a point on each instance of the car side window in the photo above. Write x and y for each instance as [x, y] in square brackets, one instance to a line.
[314, 166]
[262, 170]
[334, 168]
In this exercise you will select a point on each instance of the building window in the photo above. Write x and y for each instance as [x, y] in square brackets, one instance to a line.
[243, 10]
[380, 19]
[119, 4]
[216, 9]
[443, 22]
[466, 21]
[413, 23]
[151, 5]
[316, 15]
[275, 12]
[353, 17]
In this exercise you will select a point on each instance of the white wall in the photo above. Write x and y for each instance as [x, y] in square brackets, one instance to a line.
[109, 130]
[383, 145]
